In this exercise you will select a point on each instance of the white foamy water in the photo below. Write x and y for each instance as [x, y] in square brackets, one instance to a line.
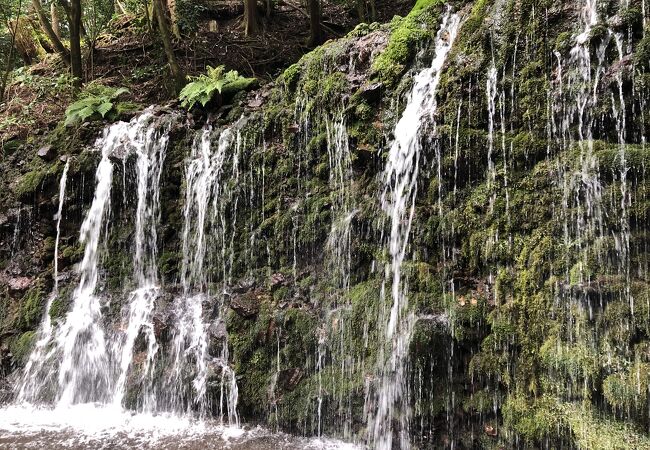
[88, 426]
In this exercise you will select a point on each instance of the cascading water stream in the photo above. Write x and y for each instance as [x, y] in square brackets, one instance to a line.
[582, 189]
[84, 371]
[59, 214]
[398, 201]
[34, 376]
[491, 92]
[89, 368]
[205, 197]
[579, 80]
[618, 107]
[149, 145]
[333, 338]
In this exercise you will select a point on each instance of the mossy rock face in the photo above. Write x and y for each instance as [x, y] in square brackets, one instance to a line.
[32, 306]
[524, 329]
[407, 33]
[21, 346]
[40, 182]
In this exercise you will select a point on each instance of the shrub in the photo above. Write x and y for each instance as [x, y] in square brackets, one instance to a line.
[96, 101]
[204, 87]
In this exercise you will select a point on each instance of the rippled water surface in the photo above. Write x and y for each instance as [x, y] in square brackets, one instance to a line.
[91, 427]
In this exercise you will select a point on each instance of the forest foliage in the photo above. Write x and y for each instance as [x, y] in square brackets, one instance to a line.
[31, 30]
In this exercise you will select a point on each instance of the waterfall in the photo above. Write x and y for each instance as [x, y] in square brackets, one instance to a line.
[582, 189]
[398, 201]
[340, 178]
[149, 145]
[491, 92]
[84, 372]
[59, 213]
[35, 374]
[92, 361]
[579, 80]
[618, 107]
[207, 195]
[334, 336]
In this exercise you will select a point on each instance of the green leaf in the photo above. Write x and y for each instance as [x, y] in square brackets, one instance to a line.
[119, 92]
[104, 108]
[203, 88]
[96, 100]
[87, 112]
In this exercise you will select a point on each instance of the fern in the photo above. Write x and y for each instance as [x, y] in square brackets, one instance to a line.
[204, 87]
[96, 101]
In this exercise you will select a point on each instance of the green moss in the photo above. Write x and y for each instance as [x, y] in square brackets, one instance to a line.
[168, 264]
[123, 109]
[31, 182]
[628, 390]
[642, 54]
[290, 76]
[577, 360]
[532, 420]
[600, 432]
[72, 253]
[405, 36]
[58, 307]
[481, 402]
[281, 294]
[631, 18]
[563, 42]
[31, 307]
[21, 346]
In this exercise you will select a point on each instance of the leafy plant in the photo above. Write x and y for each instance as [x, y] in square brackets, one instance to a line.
[204, 87]
[96, 101]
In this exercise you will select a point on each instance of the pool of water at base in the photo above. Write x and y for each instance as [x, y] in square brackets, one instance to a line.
[93, 427]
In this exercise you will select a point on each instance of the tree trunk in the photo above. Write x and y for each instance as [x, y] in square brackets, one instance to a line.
[10, 56]
[49, 32]
[316, 33]
[173, 18]
[75, 42]
[373, 10]
[5, 75]
[361, 10]
[165, 34]
[250, 17]
[56, 23]
[66, 7]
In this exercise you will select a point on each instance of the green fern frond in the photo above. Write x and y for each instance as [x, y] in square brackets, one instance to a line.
[96, 101]
[204, 87]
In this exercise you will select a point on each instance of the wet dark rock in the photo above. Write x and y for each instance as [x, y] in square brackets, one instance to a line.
[288, 379]
[277, 280]
[243, 286]
[247, 305]
[370, 45]
[18, 285]
[47, 153]
[161, 326]
[217, 333]
[255, 102]
[371, 92]
[120, 154]
[215, 372]
[623, 67]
